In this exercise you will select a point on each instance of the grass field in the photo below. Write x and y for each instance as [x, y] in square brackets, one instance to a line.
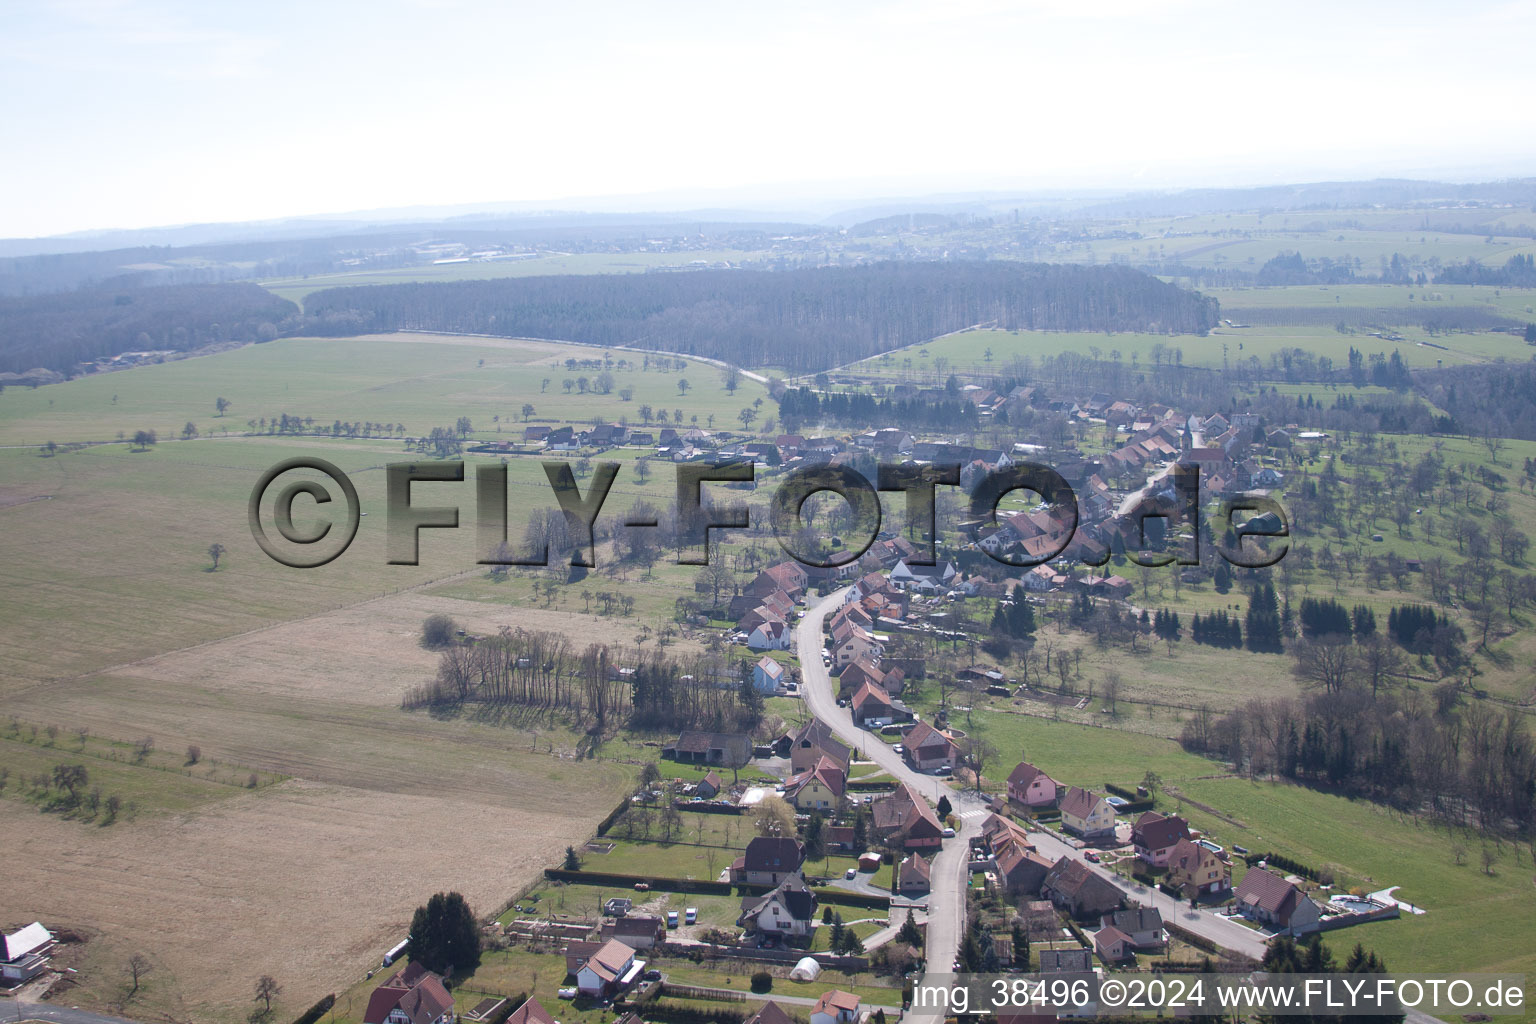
[420, 381]
[966, 353]
[1471, 915]
[297, 288]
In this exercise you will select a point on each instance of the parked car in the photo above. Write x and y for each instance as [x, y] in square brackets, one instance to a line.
[1091, 856]
[653, 975]
[567, 993]
[900, 748]
[691, 915]
[851, 873]
[944, 769]
[671, 919]
[949, 833]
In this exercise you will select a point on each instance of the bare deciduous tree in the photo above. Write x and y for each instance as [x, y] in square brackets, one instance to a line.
[138, 966]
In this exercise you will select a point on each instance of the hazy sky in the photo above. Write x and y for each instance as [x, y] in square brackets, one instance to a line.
[128, 113]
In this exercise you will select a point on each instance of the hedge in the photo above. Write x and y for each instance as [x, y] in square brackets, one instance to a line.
[1292, 866]
[670, 1012]
[705, 887]
[508, 1008]
[843, 898]
[701, 886]
[613, 817]
[315, 1012]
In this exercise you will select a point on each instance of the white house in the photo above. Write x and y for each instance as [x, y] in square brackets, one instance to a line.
[928, 578]
[24, 954]
[836, 1007]
[608, 970]
[771, 635]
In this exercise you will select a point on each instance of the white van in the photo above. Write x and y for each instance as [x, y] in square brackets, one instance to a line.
[671, 919]
[691, 915]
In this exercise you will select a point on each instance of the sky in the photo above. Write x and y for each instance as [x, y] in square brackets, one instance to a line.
[133, 113]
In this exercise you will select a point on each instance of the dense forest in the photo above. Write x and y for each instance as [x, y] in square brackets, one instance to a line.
[801, 320]
[58, 331]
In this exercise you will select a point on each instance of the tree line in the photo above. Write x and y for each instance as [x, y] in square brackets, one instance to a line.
[1468, 764]
[802, 320]
[533, 668]
[58, 332]
[803, 407]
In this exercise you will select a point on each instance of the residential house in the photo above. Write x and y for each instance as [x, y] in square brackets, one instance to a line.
[925, 748]
[731, 750]
[839, 838]
[1021, 871]
[24, 953]
[836, 1007]
[1265, 897]
[768, 860]
[413, 996]
[709, 787]
[913, 876]
[562, 439]
[606, 435]
[1266, 477]
[578, 952]
[1143, 925]
[1019, 868]
[1113, 945]
[927, 579]
[771, 635]
[1030, 787]
[856, 645]
[850, 614]
[769, 1013]
[789, 577]
[814, 741]
[637, 931]
[608, 970]
[787, 910]
[905, 815]
[1079, 890]
[1155, 835]
[819, 788]
[535, 433]
[1064, 961]
[1087, 814]
[873, 707]
[768, 676]
[531, 1012]
[856, 676]
[1197, 870]
[1043, 579]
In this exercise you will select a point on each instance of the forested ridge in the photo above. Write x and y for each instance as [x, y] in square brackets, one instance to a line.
[801, 320]
[61, 330]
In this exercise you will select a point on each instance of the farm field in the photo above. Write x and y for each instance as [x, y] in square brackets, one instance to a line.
[318, 697]
[417, 381]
